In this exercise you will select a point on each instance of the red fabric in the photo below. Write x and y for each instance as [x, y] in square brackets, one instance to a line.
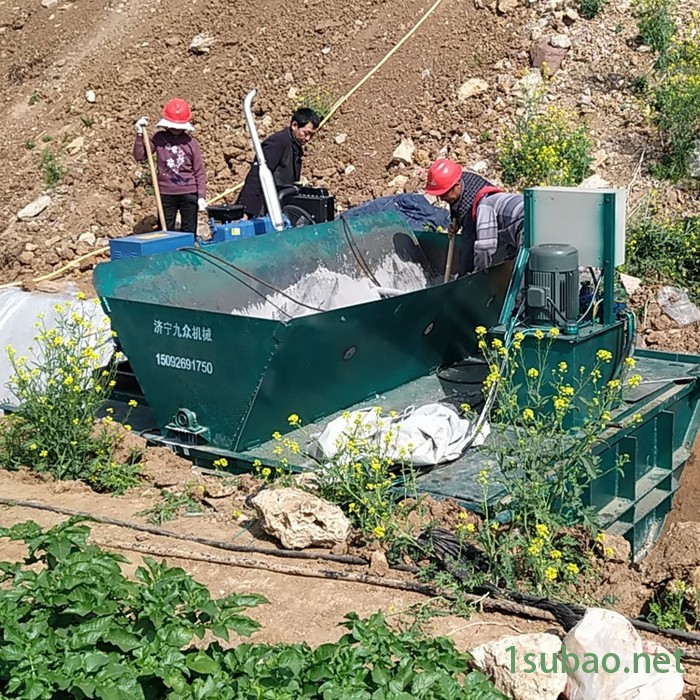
[489, 189]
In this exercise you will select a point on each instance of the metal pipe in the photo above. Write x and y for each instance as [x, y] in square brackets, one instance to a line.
[266, 180]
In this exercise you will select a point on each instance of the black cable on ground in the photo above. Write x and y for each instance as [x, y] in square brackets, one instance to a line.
[452, 555]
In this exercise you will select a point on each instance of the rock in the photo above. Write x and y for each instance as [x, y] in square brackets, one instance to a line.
[349, 169]
[49, 3]
[34, 208]
[546, 57]
[694, 160]
[425, 73]
[50, 287]
[378, 565]
[594, 182]
[299, 519]
[90, 96]
[599, 157]
[26, 257]
[341, 138]
[518, 683]
[560, 41]
[324, 25]
[325, 50]
[75, 145]
[528, 85]
[201, 44]
[506, 6]
[473, 86]
[87, 237]
[481, 166]
[399, 182]
[403, 153]
[570, 15]
[292, 92]
[172, 40]
[288, 77]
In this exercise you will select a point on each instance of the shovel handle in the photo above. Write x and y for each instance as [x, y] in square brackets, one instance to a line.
[154, 176]
[452, 233]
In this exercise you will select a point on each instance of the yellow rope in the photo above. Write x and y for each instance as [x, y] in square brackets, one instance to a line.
[56, 273]
[339, 102]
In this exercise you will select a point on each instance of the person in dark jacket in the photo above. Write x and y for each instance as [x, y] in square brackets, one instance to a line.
[283, 155]
[492, 221]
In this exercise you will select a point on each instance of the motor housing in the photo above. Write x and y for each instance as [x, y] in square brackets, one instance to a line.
[552, 285]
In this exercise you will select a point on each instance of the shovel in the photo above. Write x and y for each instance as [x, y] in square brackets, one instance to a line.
[452, 234]
[154, 176]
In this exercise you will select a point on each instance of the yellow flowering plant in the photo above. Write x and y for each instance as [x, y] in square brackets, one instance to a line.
[540, 466]
[60, 390]
[548, 146]
[363, 476]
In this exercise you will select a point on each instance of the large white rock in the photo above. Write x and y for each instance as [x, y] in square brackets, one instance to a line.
[503, 660]
[473, 86]
[606, 637]
[34, 208]
[403, 153]
[299, 519]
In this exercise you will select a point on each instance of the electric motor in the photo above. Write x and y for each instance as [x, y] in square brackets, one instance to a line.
[552, 284]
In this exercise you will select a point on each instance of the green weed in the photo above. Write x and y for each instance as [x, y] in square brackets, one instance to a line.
[665, 251]
[170, 507]
[60, 391]
[590, 8]
[320, 99]
[655, 22]
[29, 144]
[674, 608]
[34, 98]
[51, 168]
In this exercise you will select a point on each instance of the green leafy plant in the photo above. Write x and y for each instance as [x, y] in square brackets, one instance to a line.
[314, 97]
[77, 627]
[665, 250]
[674, 608]
[170, 507]
[87, 122]
[72, 625]
[533, 498]
[656, 25]
[29, 144]
[590, 8]
[676, 102]
[51, 168]
[60, 391]
[547, 147]
[34, 98]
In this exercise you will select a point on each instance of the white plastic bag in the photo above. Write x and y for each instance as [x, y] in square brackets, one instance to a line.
[606, 640]
[427, 435]
[674, 302]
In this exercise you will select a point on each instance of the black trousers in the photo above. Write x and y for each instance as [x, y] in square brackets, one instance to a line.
[186, 204]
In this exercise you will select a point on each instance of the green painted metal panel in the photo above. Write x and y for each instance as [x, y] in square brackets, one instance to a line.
[178, 319]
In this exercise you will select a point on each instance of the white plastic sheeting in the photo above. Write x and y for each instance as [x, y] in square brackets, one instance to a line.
[427, 435]
[20, 310]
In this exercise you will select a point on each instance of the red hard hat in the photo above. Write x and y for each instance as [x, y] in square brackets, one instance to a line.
[177, 111]
[443, 175]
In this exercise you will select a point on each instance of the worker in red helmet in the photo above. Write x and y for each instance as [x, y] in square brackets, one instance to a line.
[492, 221]
[181, 175]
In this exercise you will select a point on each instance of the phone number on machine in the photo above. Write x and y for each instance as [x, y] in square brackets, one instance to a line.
[189, 364]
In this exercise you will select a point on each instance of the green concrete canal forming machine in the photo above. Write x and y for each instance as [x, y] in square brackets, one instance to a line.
[224, 346]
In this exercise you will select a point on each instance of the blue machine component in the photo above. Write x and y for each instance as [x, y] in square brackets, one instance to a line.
[235, 230]
[141, 244]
